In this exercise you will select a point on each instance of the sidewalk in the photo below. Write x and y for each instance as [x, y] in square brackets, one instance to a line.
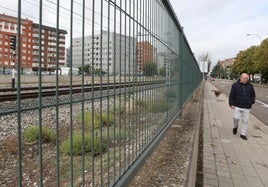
[229, 160]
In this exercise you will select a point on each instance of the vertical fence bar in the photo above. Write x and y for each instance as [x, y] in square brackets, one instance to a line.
[144, 92]
[140, 97]
[71, 100]
[129, 90]
[19, 101]
[114, 91]
[108, 95]
[93, 94]
[152, 98]
[124, 88]
[134, 79]
[101, 94]
[83, 95]
[136, 123]
[57, 112]
[120, 90]
[40, 95]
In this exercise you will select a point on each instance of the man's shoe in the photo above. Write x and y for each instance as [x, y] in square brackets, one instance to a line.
[234, 130]
[243, 137]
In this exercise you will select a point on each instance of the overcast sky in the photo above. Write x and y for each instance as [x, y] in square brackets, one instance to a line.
[216, 27]
[221, 27]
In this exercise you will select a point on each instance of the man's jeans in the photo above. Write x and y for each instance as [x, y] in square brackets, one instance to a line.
[242, 113]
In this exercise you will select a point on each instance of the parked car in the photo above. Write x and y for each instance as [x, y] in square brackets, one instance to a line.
[7, 72]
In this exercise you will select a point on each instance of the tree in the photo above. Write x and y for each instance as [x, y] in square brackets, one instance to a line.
[216, 71]
[162, 72]
[86, 69]
[247, 61]
[239, 65]
[99, 72]
[253, 60]
[150, 68]
[262, 60]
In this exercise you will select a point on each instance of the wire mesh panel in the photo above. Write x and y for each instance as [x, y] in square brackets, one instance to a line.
[106, 80]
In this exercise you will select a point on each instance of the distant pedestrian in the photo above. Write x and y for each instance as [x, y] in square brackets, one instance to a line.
[241, 98]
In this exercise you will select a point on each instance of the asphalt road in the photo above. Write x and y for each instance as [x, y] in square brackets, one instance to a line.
[260, 108]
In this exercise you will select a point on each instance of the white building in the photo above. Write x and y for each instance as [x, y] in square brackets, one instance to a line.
[162, 59]
[116, 56]
[203, 66]
[68, 71]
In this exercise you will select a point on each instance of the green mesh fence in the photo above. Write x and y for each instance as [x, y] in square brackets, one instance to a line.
[127, 69]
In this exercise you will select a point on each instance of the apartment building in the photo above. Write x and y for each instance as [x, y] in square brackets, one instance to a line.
[145, 53]
[227, 62]
[30, 42]
[8, 28]
[48, 48]
[114, 54]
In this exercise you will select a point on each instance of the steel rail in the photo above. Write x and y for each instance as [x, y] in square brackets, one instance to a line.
[64, 90]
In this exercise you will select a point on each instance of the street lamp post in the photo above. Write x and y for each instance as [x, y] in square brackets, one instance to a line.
[256, 35]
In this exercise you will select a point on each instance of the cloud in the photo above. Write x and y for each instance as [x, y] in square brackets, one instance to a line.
[215, 27]
[220, 27]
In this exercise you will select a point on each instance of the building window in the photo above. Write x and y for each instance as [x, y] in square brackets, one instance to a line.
[6, 24]
[12, 26]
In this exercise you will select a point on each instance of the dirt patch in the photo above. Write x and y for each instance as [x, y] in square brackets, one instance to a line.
[169, 163]
[199, 172]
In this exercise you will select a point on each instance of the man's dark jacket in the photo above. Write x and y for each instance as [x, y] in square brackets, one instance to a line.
[242, 95]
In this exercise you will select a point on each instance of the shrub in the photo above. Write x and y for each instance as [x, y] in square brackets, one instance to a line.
[105, 120]
[87, 117]
[99, 119]
[171, 93]
[77, 143]
[31, 134]
[140, 102]
[117, 110]
[159, 106]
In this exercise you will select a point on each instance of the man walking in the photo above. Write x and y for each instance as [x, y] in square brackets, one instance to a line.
[241, 98]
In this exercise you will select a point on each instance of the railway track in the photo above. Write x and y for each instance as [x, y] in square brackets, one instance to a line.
[11, 94]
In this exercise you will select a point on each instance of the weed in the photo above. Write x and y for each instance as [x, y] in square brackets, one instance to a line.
[32, 133]
[78, 146]
[98, 119]
[159, 105]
